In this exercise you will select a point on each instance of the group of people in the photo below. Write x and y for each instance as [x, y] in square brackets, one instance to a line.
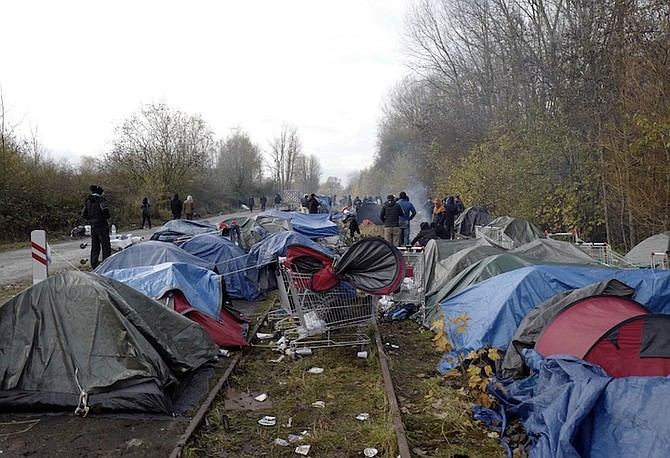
[177, 207]
[309, 204]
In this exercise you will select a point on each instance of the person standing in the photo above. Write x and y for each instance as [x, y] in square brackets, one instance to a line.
[176, 207]
[304, 202]
[189, 207]
[313, 204]
[146, 212]
[251, 203]
[390, 216]
[438, 211]
[264, 201]
[96, 213]
[277, 201]
[460, 206]
[450, 212]
[235, 233]
[409, 212]
[351, 223]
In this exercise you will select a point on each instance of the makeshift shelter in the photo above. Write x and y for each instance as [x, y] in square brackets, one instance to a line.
[517, 229]
[78, 339]
[312, 225]
[495, 307]
[472, 216]
[150, 253]
[532, 325]
[549, 251]
[640, 254]
[369, 211]
[178, 230]
[263, 256]
[230, 261]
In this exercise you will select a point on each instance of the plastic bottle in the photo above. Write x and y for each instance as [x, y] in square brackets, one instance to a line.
[113, 230]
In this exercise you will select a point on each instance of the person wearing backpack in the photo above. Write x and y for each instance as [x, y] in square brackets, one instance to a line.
[96, 213]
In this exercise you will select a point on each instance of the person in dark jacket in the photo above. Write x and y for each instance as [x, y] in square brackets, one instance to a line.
[428, 232]
[96, 213]
[409, 212]
[450, 212]
[390, 216]
[175, 207]
[146, 212]
[313, 204]
[277, 201]
[351, 222]
[264, 201]
[251, 202]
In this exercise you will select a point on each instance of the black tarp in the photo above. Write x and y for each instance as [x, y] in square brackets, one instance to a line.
[369, 211]
[77, 333]
[373, 265]
[471, 217]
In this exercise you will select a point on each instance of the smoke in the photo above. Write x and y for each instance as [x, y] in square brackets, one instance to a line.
[418, 195]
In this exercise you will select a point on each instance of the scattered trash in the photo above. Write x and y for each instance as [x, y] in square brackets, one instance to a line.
[293, 438]
[261, 397]
[362, 354]
[278, 360]
[370, 452]
[395, 347]
[289, 423]
[363, 416]
[267, 421]
[302, 449]
[319, 404]
[315, 370]
[83, 245]
[281, 442]
[264, 335]
[134, 443]
[303, 351]
[224, 352]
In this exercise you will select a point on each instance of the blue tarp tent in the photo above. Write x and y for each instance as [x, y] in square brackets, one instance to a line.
[496, 306]
[150, 253]
[571, 408]
[264, 254]
[182, 229]
[230, 262]
[314, 225]
[202, 288]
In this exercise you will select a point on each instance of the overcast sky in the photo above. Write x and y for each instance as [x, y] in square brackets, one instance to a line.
[73, 70]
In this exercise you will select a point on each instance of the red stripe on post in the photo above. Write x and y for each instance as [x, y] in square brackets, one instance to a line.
[39, 248]
[39, 259]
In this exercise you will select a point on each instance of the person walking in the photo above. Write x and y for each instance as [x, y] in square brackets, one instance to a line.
[189, 208]
[146, 212]
[351, 223]
[250, 203]
[277, 201]
[390, 216]
[176, 207]
[409, 212]
[264, 201]
[313, 204]
[96, 213]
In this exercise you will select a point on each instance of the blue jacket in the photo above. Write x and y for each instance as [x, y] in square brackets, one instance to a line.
[409, 212]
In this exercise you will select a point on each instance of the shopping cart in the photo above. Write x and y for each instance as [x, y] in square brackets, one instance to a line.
[410, 296]
[333, 318]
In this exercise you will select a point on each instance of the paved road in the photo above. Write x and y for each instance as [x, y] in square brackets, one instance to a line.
[16, 266]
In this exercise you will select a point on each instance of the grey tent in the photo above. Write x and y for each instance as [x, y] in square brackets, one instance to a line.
[471, 217]
[517, 229]
[554, 251]
[640, 254]
[536, 320]
[79, 339]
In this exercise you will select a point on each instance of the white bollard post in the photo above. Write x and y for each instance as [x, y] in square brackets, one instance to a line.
[40, 255]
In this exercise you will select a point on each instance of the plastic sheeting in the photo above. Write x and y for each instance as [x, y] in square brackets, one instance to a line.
[150, 253]
[202, 288]
[472, 216]
[640, 254]
[230, 262]
[312, 225]
[518, 229]
[80, 331]
[369, 211]
[554, 252]
[571, 408]
[495, 307]
[182, 228]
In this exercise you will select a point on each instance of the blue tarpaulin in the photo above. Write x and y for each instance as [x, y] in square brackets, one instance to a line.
[182, 228]
[230, 262]
[312, 225]
[201, 287]
[571, 408]
[150, 253]
[496, 306]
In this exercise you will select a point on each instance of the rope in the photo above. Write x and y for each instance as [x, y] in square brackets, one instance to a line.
[32, 423]
[62, 258]
[82, 408]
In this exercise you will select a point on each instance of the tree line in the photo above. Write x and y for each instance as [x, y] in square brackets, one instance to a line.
[156, 152]
[556, 111]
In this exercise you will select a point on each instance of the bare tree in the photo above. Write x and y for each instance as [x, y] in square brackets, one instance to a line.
[158, 150]
[239, 164]
[284, 152]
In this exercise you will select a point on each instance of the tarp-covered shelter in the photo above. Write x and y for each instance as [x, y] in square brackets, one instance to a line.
[369, 211]
[263, 256]
[230, 261]
[312, 225]
[81, 336]
[150, 253]
[182, 229]
[519, 230]
[495, 307]
[472, 216]
[547, 250]
[536, 320]
[640, 254]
